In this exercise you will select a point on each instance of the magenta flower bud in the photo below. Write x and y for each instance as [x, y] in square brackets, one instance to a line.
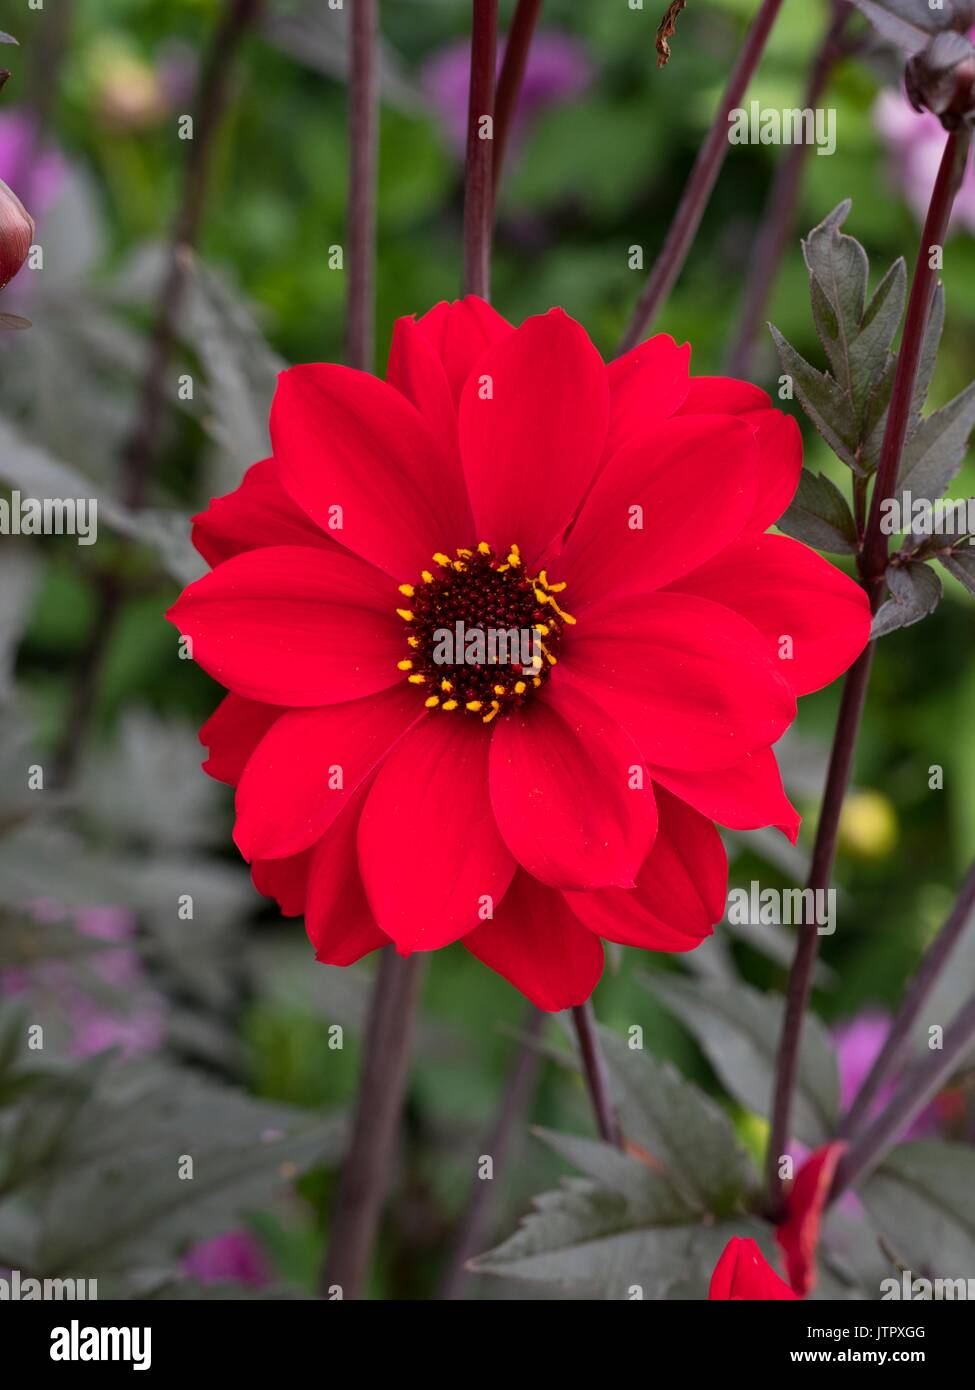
[941, 79]
[16, 234]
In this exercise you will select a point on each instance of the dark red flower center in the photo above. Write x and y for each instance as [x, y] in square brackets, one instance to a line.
[483, 633]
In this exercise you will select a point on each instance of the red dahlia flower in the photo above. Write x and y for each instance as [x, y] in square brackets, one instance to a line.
[508, 480]
[743, 1274]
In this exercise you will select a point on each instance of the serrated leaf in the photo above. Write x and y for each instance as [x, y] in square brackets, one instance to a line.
[819, 516]
[679, 1127]
[740, 1031]
[828, 406]
[652, 1198]
[934, 451]
[961, 563]
[870, 356]
[915, 592]
[586, 1240]
[929, 350]
[922, 1200]
[905, 23]
[838, 270]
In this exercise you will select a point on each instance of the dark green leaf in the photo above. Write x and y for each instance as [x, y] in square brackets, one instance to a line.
[915, 592]
[922, 1200]
[828, 406]
[820, 516]
[740, 1031]
[934, 451]
[961, 563]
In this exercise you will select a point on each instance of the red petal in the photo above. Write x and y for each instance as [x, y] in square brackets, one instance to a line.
[744, 1274]
[561, 774]
[256, 514]
[648, 383]
[744, 796]
[429, 849]
[777, 435]
[338, 919]
[460, 333]
[232, 732]
[535, 943]
[418, 373]
[694, 481]
[346, 440]
[530, 450]
[287, 798]
[798, 1236]
[787, 590]
[294, 625]
[680, 890]
[283, 879]
[689, 680]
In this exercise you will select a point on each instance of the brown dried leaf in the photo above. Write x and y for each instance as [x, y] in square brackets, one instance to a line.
[666, 30]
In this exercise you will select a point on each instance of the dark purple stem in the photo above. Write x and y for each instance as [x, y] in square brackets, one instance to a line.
[478, 184]
[512, 75]
[873, 563]
[921, 1082]
[778, 222]
[469, 1239]
[918, 308]
[596, 1074]
[363, 167]
[371, 1153]
[703, 177]
[898, 1040]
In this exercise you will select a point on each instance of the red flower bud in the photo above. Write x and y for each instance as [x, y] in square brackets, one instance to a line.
[16, 234]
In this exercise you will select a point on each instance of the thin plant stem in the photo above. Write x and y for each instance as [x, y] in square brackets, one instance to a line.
[141, 448]
[873, 564]
[898, 1041]
[778, 221]
[363, 168]
[920, 1083]
[512, 75]
[596, 1074]
[369, 1160]
[478, 181]
[700, 184]
[469, 1237]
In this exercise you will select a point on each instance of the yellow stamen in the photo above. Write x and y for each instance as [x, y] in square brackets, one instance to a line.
[450, 704]
[418, 679]
[406, 614]
[493, 713]
[520, 687]
[484, 548]
[499, 690]
[445, 684]
[432, 702]
[473, 704]
[426, 576]
[413, 641]
[407, 590]
[405, 665]
[440, 558]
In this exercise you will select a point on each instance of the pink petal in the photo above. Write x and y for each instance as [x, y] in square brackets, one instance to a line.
[531, 449]
[232, 732]
[535, 943]
[308, 766]
[430, 852]
[347, 441]
[647, 384]
[561, 788]
[689, 680]
[745, 796]
[256, 514]
[680, 891]
[694, 483]
[788, 591]
[294, 625]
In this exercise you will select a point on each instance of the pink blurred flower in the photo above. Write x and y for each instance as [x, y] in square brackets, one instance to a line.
[858, 1045]
[233, 1258]
[558, 70]
[915, 141]
[36, 176]
[93, 1024]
